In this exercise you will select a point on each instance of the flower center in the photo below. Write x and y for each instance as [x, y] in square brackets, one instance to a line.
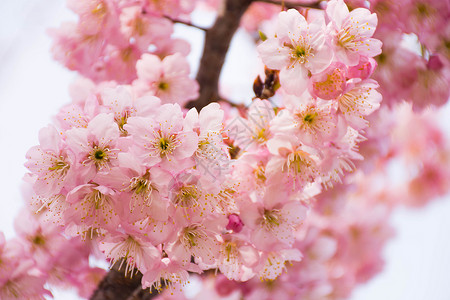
[298, 161]
[100, 156]
[309, 118]
[139, 27]
[38, 240]
[98, 199]
[100, 10]
[301, 51]
[261, 135]
[260, 174]
[163, 86]
[346, 39]
[231, 251]
[271, 218]
[187, 196]
[165, 144]
[191, 235]
[60, 166]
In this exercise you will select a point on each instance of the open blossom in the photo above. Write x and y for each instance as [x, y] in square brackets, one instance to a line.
[237, 258]
[95, 147]
[273, 221]
[41, 240]
[211, 155]
[253, 131]
[246, 193]
[359, 100]
[163, 138]
[313, 121]
[51, 163]
[137, 252]
[274, 263]
[167, 79]
[299, 48]
[297, 161]
[198, 240]
[352, 32]
[91, 209]
[141, 188]
[168, 273]
[95, 16]
[143, 27]
[121, 101]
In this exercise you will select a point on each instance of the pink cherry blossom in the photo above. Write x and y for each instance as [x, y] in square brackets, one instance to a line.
[91, 209]
[298, 48]
[95, 147]
[139, 253]
[163, 138]
[167, 79]
[352, 32]
[51, 163]
[359, 100]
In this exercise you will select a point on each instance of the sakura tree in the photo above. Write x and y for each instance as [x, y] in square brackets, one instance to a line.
[169, 179]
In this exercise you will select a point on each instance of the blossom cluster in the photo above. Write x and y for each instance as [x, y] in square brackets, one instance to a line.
[420, 77]
[127, 173]
[155, 184]
[40, 254]
[111, 36]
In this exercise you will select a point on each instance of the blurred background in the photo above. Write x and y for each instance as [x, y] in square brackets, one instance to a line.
[33, 87]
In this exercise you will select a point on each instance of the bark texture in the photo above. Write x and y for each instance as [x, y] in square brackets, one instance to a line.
[117, 286]
[217, 42]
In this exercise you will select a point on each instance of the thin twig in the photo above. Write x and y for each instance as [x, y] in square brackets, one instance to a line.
[290, 4]
[185, 23]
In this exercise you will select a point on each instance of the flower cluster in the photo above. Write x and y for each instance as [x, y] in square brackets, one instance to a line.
[127, 173]
[111, 36]
[41, 253]
[155, 185]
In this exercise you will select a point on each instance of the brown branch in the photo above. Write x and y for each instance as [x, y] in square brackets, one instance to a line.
[290, 4]
[140, 294]
[217, 42]
[185, 23]
[117, 286]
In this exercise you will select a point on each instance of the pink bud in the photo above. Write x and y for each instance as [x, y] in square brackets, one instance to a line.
[364, 69]
[234, 223]
[434, 63]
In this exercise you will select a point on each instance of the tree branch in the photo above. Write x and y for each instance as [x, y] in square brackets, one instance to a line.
[117, 286]
[185, 23]
[217, 42]
[140, 294]
[290, 4]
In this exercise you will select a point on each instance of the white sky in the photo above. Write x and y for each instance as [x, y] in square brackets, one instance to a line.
[33, 87]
